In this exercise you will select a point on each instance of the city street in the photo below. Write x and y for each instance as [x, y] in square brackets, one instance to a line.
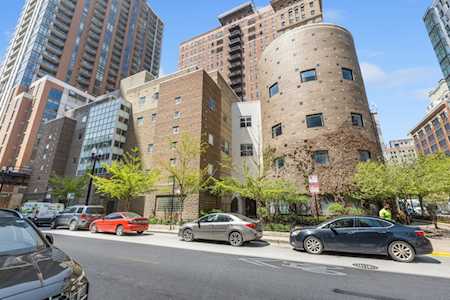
[131, 267]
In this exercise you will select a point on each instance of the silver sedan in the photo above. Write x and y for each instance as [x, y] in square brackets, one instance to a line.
[234, 228]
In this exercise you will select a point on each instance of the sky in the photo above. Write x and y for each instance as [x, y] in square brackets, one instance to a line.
[399, 65]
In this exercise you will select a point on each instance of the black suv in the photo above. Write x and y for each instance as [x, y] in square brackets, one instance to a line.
[78, 216]
[31, 267]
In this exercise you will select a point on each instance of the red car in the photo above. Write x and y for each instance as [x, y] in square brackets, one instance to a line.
[120, 223]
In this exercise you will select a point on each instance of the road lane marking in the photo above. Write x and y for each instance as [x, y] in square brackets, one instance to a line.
[258, 262]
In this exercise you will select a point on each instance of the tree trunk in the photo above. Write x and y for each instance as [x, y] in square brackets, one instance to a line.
[421, 205]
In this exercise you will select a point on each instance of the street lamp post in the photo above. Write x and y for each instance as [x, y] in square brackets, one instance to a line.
[94, 158]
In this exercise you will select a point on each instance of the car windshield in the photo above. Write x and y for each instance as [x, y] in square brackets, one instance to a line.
[95, 210]
[131, 215]
[17, 236]
[243, 218]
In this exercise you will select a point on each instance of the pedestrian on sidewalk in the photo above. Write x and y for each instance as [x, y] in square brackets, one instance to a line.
[385, 212]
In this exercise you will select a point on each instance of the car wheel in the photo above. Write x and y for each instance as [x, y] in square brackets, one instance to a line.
[313, 245]
[119, 230]
[140, 232]
[73, 225]
[236, 239]
[93, 228]
[188, 235]
[401, 251]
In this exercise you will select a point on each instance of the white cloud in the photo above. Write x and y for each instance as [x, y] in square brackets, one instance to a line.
[372, 73]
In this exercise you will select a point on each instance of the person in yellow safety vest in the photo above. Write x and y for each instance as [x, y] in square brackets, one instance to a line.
[385, 212]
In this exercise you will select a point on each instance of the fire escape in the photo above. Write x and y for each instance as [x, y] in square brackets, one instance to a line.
[236, 66]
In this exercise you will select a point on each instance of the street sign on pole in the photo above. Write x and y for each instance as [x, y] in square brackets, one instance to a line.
[314, 186]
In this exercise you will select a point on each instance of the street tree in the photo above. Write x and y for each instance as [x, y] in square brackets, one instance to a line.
[63, 187]
[186, 172]
[126, 179]
[262, 184]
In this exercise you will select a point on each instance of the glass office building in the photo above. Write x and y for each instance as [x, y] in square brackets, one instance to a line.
[437, 22]
[106, 132]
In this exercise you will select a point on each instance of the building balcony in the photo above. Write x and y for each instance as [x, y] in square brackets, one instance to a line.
[235, 66]
[54, 49]
[235, 33]
[88, 49]
[87, 65]
[237, 73]
[235, 57]
[236, 82]
[51, 57]
[235, 50]
[235, 42]
[60, 34]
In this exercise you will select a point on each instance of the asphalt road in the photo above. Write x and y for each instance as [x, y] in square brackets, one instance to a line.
[120, 270]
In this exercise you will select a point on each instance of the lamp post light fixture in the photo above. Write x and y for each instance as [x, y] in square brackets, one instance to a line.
[94, 157]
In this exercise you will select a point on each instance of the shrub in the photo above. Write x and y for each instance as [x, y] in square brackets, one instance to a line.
[337, 209]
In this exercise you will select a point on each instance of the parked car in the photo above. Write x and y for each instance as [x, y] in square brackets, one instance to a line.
[120, 223]
[234, 228]
[41, 213]
[366, 235]
[31, 267]
[78, 217]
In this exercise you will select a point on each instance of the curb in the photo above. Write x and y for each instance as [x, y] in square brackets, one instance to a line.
[441, 254]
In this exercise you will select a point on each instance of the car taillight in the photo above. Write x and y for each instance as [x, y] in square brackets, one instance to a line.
[420, 233]
[83, 217]
[250, 225]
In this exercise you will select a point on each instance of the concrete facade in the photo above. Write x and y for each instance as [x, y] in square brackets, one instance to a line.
[313, 100]
[400, 151]
[235, 47]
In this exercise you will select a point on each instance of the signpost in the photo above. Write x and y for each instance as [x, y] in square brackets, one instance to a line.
[314, 189]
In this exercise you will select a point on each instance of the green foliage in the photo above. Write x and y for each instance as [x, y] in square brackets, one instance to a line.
[126, 179]
[189, 178]
[212, 211]
[62, 186]
[337, 209]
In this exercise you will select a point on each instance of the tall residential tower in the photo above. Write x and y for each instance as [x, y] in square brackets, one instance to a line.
[235, 47]
[90, 44]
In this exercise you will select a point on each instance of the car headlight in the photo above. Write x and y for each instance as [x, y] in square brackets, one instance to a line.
[294, 233]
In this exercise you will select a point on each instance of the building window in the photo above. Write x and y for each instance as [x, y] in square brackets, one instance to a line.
[308, 75]
[364, 155]
[277, 130]
[321, 157]
[150, 148]
[176, 129]
[279, 163]
[357, 120]
[177, 115]
[347, 74]
[153, 117]
[211, 139]
[315, 120]
[173, 145]
[226, 147]
[246, 150]
[212, 105]
[156, 96]
[177, 100]
[173, 161]
[141, 100]
[273, 90]
[246, 121]
[140, 121]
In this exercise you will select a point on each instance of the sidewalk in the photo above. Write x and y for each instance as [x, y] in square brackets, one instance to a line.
[441, 245]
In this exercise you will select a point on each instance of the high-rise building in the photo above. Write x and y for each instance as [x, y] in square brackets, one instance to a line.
[90, 44]
[400, 151]
[438, 95]
[437, 22]
[314, 105]
[235, 47]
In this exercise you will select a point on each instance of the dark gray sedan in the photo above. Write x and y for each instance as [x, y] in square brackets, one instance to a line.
[234, 228]
[366, 235]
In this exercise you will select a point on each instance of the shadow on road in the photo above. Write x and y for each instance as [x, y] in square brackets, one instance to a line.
[252, 244]
[419, 259]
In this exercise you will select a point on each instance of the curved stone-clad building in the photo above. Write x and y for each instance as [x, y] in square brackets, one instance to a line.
[314, 106]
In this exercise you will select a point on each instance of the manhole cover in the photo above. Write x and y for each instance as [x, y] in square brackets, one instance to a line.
[365, 267]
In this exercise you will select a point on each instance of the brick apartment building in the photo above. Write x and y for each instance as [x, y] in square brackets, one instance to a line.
[235, 47]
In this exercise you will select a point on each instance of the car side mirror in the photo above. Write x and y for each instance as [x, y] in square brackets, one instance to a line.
[49, 237]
